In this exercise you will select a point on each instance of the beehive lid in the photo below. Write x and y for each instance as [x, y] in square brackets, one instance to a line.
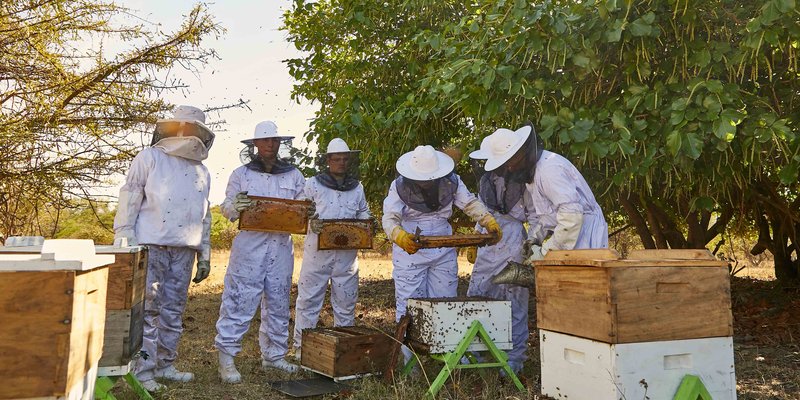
[636, 258]
[57, 255]
[98, 249]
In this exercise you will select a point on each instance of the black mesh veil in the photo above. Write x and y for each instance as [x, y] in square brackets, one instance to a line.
[250, 158]
[427, 196]
[501, 189]
[344, 182]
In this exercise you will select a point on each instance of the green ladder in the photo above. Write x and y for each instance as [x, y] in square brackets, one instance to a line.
[692, 388]
[103, 385]
[452, 360]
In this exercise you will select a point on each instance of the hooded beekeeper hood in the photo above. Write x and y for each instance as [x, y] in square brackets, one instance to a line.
[339, 166]
[185, 134]
[427, 179]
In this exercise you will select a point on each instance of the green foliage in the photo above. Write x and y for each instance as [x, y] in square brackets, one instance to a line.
[89, 220]
[678, 108]
[223, 231]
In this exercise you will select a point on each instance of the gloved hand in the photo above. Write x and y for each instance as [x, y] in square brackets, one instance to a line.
[315, 225]
[472, 254]
[203, 268]
[532, 252]
[241, 201]
[122, 241]
[405, 240]
[492, 227]
[312, 211]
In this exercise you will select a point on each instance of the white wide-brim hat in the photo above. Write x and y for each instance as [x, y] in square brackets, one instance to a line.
[424, 164]
[338, 145]
[479, 154]
[266, 130]
[500, 146]
[189, 115]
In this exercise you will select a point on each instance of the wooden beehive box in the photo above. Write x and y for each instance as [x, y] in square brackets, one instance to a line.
[345, 234]
[127, 277]
[270, 214]
[124, 302]
[52, 308]
[650, 296]
[345, 352]
[438, 325]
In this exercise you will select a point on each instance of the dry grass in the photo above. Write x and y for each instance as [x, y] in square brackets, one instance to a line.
[762, 372]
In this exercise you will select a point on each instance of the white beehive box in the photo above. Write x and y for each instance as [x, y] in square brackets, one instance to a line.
[583, 369]
[440, 324]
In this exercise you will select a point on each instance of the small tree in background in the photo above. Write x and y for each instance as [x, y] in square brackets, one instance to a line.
[67, 107]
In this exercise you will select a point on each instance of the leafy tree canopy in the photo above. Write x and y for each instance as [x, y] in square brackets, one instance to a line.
[681, 114]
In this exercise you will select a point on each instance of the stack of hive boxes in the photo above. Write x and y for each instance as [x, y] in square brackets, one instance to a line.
[52, 308]
[612, 328]
[124, 302]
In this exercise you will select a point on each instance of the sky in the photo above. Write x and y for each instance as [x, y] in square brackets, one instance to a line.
[250, 68]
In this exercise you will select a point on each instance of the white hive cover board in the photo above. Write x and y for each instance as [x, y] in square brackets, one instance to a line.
[57, 255]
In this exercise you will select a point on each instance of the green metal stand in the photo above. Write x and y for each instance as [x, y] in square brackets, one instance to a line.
[692, 388]
[103, 385]
[452, 360]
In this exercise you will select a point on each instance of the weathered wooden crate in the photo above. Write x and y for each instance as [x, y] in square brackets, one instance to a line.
[652, 295]
[52, 308]
[438, 325]
[578, 368]
[344, 352]
[270, 214]
[345, 234]
[124, 302]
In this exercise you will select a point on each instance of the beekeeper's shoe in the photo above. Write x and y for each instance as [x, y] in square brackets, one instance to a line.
[280, 364]
[172, 374]
[152, 386]
[227, 369]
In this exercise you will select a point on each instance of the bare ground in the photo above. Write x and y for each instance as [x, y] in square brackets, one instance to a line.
[767, 350]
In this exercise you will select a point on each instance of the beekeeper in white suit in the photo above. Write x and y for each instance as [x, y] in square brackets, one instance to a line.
[503, 193]
[261, 263]
[423, 197]
[338, 194]
[164, 205]
[559, 203]
[523, 182]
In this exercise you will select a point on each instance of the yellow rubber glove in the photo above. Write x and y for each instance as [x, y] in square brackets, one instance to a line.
[405, 240]
[472, 254]
[491, 226]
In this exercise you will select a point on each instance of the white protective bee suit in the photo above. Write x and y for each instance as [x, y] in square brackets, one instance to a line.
[164, 205]
[340, 267]
[560, 201]
[428, 273]
[260, 266]
[557, 199]
[489, 262]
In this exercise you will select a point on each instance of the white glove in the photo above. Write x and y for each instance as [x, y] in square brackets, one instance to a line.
[566, 232]
[122, 240]
[241, 202]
